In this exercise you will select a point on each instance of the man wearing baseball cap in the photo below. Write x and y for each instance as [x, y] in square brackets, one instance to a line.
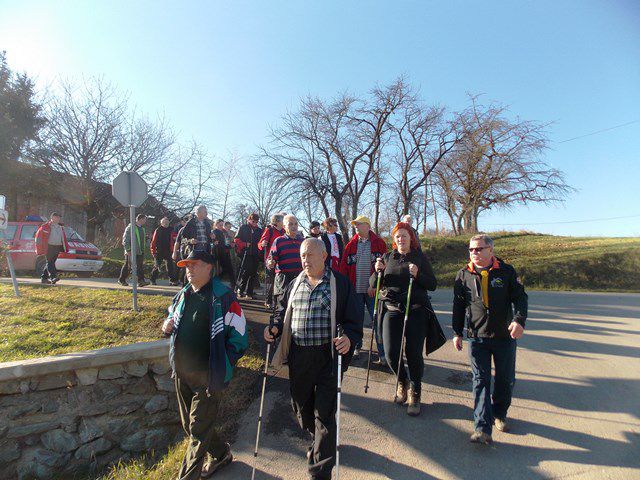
[208, 336]
[357, 263]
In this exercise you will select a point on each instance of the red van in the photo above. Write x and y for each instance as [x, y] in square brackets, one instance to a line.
[80, 257]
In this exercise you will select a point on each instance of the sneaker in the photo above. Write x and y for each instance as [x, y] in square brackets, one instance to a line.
[413, 408]
[143, 283]
[401, 393]
[45, 281]
[54, 280]
[480, 437]
[123, 283]
[501, 424]
[212, 465]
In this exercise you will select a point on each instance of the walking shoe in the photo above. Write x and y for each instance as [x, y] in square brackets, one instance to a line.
[356, 353]
[54, 280]
[380, 361]
[153, 282]
[143, 283]
[123, 283]
[401, 393]
[212, 465]
[480, 437]
[45, 281]
[413, 409]
[501, 424]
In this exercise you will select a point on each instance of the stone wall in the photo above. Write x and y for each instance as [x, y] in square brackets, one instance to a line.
[83, 411]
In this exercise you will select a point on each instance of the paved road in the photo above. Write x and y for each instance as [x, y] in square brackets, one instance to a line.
[162, 288]
[576, 411]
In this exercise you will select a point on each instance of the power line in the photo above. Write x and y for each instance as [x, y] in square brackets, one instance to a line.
[559, 223]
[600, 131]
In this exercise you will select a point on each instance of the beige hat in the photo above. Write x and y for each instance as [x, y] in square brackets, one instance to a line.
[360, 219]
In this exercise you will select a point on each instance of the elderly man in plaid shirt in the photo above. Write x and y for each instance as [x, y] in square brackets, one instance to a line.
[309, 313]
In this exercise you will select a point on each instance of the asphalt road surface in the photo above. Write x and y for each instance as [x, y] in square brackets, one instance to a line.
[575, 414]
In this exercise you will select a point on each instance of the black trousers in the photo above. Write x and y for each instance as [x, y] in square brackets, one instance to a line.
[269, 277]
[50, 270]
[226, 268]
[199, 414]
[159, 263]
[248, 274]
[126, 267]
[314, 389]
[392, 322]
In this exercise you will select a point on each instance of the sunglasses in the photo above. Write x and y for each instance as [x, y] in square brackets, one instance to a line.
[476, 249]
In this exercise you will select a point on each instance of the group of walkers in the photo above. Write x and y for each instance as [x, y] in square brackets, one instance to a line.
[320, 290]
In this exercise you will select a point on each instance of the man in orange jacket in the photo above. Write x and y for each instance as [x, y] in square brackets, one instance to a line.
[50, 241]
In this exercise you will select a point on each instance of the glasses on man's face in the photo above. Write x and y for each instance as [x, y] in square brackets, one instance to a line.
[476, 249]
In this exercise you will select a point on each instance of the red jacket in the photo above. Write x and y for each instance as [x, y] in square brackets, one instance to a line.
[269, 234]
[42, 238]
[350, 254]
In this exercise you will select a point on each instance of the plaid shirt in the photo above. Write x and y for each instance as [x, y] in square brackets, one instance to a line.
[311, 313]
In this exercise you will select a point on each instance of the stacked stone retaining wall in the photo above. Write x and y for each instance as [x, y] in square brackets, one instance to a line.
[80, 412]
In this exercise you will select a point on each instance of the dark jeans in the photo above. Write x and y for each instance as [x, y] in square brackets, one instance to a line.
[126, 267]
[49, 270]
[198, 413]
[314, 389]
[368, 305]
[159, 263]
[485, 406]
[415, 334]
[248, 274]
[269, 277]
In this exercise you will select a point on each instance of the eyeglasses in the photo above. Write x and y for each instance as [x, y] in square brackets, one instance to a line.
[476, 249]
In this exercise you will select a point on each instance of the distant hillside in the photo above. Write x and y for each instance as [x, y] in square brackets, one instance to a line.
[549, 262]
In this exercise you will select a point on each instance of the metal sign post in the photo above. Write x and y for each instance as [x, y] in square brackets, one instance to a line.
[131, 191]
[4, 222]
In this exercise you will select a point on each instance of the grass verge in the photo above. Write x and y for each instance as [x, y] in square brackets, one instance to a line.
[49, 320]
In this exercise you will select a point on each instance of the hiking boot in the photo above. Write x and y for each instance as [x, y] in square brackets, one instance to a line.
[142, 284]
[501, 424]
[123, 283]
[401, 393]
[212, 465]
[413, 409]
[480, 437]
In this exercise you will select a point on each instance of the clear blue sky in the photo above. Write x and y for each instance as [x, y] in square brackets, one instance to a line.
[221, 72]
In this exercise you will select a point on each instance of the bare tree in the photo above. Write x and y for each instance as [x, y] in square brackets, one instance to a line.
[330, 148]
[263, 193]
[497, 164]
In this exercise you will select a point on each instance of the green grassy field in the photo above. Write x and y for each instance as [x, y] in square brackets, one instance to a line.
[549, 262]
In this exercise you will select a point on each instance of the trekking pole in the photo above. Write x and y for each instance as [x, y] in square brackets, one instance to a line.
[402, 342]
[264, 387]
[241, 268]
[373, 330]
[340, 333]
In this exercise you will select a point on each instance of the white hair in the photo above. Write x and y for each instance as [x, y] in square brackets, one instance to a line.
[407, 219]
[482, 238]
[286, 217]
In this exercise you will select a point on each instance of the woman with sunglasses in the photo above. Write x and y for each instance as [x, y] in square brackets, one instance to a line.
[397, 267]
